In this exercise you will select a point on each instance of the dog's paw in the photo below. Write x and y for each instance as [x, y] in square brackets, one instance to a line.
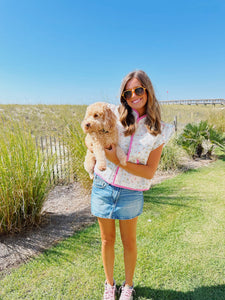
[101, 166]
[123, 160]
[91, 175]
[121, 156]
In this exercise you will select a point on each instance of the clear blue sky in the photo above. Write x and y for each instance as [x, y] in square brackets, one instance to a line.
[77, 52]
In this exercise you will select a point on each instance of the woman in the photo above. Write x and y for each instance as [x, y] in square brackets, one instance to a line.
[117, 192]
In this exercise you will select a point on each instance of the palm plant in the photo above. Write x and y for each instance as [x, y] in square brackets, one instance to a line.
[199, 139]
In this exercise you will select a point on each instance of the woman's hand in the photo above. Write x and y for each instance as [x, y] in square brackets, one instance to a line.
[146, 171]
[110, 153]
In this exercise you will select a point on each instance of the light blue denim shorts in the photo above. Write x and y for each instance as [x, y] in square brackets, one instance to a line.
[110, 202]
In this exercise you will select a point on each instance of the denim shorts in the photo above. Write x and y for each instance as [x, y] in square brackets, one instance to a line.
[110, 202]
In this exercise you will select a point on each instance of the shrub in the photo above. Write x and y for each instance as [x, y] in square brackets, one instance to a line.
[24, 178]
[171, 155]
[201, 139]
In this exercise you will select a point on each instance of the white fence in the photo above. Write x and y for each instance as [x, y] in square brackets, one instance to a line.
[62, 168]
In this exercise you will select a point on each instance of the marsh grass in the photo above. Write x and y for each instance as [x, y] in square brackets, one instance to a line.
[74, 139]
[24, 178]
[180, 238]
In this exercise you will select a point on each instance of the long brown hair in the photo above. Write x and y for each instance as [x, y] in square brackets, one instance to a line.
[153, 118]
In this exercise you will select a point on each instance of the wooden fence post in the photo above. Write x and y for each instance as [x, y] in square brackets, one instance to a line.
[175, 123]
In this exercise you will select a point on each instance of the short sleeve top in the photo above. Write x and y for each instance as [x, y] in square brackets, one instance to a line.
[137, 148]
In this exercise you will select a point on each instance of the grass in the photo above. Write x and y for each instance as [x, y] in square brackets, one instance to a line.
[24, 178]
[43, 119]
[180, 240]
[195, 113]
[75, 141]
[63, 122]
[51, 119]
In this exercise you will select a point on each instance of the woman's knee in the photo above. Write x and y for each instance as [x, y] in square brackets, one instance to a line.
[108, 240]
[129, 243]
[108, 231]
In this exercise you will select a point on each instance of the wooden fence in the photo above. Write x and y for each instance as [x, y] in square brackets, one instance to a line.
[62, 168]
[195, 102]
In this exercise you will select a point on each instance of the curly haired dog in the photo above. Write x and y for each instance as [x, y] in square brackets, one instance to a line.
[100, 126]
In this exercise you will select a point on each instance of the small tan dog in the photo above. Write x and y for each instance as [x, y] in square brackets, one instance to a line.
[100, 125]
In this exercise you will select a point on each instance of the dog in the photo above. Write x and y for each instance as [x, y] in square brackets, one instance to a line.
[100, 126]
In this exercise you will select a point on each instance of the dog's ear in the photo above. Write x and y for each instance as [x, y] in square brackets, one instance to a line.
[110, 119]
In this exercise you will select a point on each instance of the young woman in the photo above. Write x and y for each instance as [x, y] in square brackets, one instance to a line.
[117, 192]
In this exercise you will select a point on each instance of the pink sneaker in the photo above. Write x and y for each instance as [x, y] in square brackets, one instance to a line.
[110, 291]
[127, 292]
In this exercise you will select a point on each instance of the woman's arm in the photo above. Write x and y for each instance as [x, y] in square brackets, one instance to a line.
[146, 171]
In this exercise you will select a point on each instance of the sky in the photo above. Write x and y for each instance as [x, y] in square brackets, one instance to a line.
[77, 52]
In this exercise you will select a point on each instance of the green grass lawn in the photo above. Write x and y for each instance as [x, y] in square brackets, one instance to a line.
[181, 249]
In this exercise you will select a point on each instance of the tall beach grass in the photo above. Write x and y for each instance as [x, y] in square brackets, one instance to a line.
[24, 178]
[75, 141]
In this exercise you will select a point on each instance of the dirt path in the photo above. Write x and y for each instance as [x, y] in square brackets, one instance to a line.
[66, 210]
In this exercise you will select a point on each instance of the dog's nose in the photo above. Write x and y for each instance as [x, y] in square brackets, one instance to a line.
[87, 125]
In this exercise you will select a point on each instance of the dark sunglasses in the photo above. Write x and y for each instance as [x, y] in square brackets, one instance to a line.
[139, 91]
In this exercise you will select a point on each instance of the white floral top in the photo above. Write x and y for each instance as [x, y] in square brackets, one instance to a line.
[137, 147]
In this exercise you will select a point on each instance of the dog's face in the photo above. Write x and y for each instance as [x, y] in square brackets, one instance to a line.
[98, 117]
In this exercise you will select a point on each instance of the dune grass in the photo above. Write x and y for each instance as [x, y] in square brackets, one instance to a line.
[24, 178]
[195, 113]
[181, 253]
[75, 141]
[43, 119]
[51, 119]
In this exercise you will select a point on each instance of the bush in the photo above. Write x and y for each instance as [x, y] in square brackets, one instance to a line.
[201, 139]
[24, 178]
[170, 158]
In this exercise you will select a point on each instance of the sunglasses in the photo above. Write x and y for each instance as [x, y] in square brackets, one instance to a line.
[139, 91]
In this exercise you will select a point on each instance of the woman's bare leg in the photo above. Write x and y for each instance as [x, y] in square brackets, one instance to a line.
[128, 236]
[108, 236]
